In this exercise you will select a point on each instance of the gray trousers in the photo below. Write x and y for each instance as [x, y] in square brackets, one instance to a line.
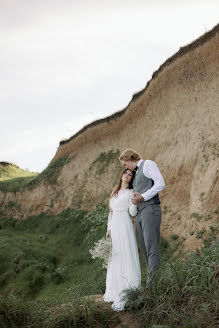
[147, 223]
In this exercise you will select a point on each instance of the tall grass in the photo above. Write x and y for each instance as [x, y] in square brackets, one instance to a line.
[46, 271]
[184, 293]
[68, 311]
[42, 252]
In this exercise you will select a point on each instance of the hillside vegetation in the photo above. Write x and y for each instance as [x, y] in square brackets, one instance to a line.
[47, 275]
[173, 121]
[13, 178]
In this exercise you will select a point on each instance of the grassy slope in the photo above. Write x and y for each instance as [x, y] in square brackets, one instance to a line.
[44, 252]
[15, 179]
[12, 177]
[45, 263]
[12, 172]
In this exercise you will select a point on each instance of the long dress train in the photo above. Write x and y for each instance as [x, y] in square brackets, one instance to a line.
[123, 270]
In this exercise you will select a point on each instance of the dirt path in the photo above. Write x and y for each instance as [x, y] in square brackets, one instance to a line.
[126, 319]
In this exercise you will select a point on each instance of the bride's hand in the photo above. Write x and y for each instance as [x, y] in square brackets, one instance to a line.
[108, 233]
[137, 198]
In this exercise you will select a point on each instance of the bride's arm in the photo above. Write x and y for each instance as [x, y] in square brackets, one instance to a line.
[108, 233]
[133, 210]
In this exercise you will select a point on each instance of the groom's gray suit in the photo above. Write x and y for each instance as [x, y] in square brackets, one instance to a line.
[147, 223]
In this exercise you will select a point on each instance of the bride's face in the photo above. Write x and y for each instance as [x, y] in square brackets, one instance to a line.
[127, 176]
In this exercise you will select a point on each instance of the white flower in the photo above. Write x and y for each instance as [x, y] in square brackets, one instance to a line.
[102, 250]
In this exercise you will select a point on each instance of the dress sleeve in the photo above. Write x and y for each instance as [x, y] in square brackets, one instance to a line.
[109, 221]
[132, 208]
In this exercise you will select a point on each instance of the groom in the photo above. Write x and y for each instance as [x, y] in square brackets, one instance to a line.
[147, 183]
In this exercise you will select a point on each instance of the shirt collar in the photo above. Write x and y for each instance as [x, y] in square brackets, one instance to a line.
[139, 162]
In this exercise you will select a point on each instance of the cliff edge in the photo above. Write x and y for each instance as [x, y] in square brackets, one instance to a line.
[173, 121]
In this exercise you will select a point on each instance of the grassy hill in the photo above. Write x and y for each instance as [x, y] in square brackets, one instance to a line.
[46, 271]
[12, 178]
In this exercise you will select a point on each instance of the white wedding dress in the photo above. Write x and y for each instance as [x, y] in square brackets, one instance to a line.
[124, 268]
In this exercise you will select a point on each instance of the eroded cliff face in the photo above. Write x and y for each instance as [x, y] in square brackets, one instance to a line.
[173, 121]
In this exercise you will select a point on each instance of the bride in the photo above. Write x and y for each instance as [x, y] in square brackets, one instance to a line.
[123, 269]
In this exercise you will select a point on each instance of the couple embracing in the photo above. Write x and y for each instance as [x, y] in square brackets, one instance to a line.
[135, 195]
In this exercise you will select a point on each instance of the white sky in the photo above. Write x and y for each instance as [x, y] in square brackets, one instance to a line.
[64, 64]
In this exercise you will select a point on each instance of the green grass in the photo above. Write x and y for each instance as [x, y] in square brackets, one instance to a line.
[200, 233]
[196, 216]
[15, 184]
[174, 237]
[70, 310]
[13, 179]
[46, 251]
[184, 294]
[45, 262]
[50, 174]
[46, 271]
[104, 159]
[11, 172]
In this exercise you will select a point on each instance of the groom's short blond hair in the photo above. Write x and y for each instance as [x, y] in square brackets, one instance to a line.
[129, 154]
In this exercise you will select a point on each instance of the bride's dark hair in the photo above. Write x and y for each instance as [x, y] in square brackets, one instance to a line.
[116, 190]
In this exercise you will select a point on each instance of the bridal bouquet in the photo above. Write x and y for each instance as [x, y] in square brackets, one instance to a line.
[102, 250]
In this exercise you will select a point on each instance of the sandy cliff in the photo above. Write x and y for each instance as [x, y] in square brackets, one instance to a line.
[173, 121]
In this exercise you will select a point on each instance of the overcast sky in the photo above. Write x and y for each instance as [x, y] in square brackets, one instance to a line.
[64, 64]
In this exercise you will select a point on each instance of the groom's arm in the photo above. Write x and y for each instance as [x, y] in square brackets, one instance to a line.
[151, 171]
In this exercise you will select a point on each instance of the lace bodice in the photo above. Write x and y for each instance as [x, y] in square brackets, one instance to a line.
[122, 202]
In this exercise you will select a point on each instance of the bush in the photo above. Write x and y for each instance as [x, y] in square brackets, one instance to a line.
[95, 224]
[174, 237]
[33, 281]
[45, 251]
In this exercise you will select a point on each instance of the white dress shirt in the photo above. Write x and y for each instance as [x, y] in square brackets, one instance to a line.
[151, 171]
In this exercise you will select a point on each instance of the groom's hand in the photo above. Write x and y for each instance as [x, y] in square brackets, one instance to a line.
[137, 198]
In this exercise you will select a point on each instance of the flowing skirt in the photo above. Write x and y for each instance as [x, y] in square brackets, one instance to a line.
[124, 268]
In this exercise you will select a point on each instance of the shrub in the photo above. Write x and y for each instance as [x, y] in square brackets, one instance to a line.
[174, 237]
[104, 159]
[50, 174]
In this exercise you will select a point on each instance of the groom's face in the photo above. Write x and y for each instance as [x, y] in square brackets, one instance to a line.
[129, 164]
